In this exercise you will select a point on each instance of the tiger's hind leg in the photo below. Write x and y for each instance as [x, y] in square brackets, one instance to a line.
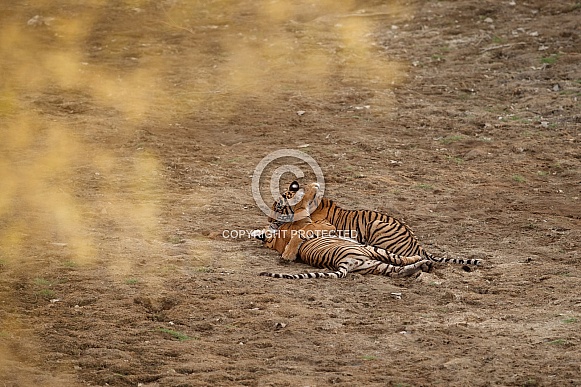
[397, 271]
[389, 257]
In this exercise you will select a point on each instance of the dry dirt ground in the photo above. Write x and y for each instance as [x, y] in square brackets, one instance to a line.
[130, 132]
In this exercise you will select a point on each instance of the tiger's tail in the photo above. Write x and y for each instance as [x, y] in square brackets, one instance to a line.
[458, 261]
[340, 273]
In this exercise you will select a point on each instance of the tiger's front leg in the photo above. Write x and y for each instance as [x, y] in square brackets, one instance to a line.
[292, 248]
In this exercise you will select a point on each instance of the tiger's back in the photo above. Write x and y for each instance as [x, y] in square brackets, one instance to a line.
[393, 235]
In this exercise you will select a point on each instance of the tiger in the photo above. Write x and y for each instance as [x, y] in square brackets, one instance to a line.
[339, 254]
[369, 227]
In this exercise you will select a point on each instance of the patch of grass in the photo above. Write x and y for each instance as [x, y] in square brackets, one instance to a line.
[531, 382]
[175, 239]
[551, 59]
[175, 334]
[558, 342]
[131, 281]
[44, 285]
[70, 264]
[457, 160]
[451, 139]
[369, 357]
[518, 178]
[570, 320]
[47, 293]
[514, 117]
[42, 282]
[498, 40]
[542, 173]
[426, 187]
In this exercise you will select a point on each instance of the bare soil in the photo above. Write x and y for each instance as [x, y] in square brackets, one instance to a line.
[130, 132]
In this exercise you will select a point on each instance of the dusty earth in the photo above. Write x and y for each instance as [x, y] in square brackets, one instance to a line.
[130, 132]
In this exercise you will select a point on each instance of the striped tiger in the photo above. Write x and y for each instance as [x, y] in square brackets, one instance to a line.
[369, 227]
[341, 255]
[344, 256]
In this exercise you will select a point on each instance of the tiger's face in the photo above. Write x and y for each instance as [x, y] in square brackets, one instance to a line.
[291, 211]
[294, 204]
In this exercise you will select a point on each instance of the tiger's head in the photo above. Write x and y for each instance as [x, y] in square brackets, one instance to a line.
[291, 210]
[294, 204]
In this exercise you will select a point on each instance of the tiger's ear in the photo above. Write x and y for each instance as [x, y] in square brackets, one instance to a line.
[294, 187]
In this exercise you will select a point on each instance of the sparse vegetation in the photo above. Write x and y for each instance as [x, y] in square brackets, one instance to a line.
[558, 342]
[175, 334]
[451, 139]
[424, 186]
[42, 282]
[455, 159]
[46, 293]
[175, 239]
[498, 40]
[551, 59]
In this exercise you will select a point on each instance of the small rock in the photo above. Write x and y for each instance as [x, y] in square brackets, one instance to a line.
[488, 20]
[556, 87]
[301, 112]
[428, 278]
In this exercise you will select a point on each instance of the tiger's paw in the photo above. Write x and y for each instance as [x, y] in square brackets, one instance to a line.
[288, 257]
